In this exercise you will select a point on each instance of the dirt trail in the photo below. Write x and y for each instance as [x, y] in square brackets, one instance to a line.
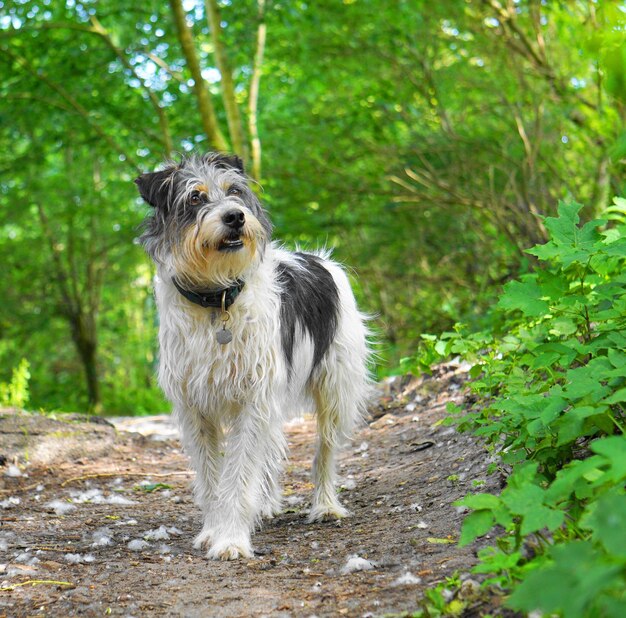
[120, 542]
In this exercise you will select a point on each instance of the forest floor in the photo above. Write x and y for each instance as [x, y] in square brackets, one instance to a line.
[98, 518]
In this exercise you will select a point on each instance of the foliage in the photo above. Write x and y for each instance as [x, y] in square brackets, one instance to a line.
[552, 403]
[15, 394]
[419, 139]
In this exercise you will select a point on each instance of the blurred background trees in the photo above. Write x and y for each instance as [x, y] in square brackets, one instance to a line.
[422, 140]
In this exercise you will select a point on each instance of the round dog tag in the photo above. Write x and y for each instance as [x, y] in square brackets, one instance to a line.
[224, 336]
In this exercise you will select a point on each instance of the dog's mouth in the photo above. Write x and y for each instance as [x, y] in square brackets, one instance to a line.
[232, 243]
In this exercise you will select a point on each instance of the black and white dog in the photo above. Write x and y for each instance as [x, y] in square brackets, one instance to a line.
[250, 334]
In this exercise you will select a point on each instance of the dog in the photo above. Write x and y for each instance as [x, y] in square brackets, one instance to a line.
[250, 334]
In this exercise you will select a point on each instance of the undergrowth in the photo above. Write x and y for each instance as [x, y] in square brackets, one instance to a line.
[15, 393]
[550, 395]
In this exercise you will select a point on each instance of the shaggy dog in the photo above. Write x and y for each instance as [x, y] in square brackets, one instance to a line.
[250, 334]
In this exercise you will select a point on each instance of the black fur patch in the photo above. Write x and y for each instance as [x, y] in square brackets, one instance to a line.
[224, 160]
[309, 297]
[154, 188]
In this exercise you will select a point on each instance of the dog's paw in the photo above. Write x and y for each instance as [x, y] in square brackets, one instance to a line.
[203, 540]
[326, 512]
[230, 549]
[271, 509]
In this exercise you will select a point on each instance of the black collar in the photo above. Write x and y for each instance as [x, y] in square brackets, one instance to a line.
[211, 298]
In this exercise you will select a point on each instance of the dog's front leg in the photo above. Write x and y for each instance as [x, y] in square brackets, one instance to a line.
[201, 437]
[239, 491]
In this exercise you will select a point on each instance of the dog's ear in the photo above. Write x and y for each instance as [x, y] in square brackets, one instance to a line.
[226, 161]
[155, 187]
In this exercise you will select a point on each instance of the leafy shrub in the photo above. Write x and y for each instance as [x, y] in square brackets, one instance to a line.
[15, 392]
[552, 402]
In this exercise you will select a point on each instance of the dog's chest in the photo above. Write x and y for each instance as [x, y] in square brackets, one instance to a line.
[197, 370]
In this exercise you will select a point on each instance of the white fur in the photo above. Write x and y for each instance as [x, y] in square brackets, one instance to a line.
[231, 400]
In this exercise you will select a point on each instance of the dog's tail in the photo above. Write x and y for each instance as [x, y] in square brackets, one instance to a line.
[346, 386]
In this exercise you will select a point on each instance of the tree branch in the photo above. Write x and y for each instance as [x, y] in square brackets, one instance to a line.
[166, 137]
[73, 103]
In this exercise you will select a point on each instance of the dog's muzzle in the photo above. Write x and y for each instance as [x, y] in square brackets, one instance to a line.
[234, 220]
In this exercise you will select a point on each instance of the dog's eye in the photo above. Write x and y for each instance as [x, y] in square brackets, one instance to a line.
[195, 199]
[234, 190]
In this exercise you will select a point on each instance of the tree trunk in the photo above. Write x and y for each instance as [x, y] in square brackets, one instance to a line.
[82, 322]
[205, 106]
[233, 117]
[253, 98]
[84, 337]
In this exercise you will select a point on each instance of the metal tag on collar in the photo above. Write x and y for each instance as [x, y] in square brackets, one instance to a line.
[224, 335]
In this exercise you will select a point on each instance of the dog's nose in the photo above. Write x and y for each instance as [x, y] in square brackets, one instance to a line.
[234, 219]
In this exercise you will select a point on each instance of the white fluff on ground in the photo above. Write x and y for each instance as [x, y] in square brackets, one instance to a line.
[159, 534]
[356, 563]
[117, 499]
[13, 471]
[349, 484]
[95, 496]
[102, 537]
[90, 495]
[10, 502]
[173, 530]
[138, 545]
[27, 558]
[60, 507]
[408, 579]
[79, 558]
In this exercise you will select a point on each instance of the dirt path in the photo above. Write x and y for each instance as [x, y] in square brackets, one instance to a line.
[120, 543]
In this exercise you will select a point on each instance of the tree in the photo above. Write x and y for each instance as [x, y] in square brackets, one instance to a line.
[420, 140]
[72, 155]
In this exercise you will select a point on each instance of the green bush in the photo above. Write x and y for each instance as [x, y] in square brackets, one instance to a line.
[551, 404]
[15, 392]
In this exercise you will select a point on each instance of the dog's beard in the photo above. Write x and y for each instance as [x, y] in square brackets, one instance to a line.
[209, 254]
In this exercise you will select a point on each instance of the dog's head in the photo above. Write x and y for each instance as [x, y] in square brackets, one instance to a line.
[207, 227]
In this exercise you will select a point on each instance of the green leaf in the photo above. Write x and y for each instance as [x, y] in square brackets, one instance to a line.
[554, 285]
[613, 449]
[493, 559]
[524, 499]
[606, 519]
[479, 501]
[617, 397]
[525, 295]
[151, 487]
[569, 585]
[475, 371]
[441, 347]
[476, 524]
[569, 243]
[541, 517]
[571, 480]
[571, 424]
[563, 326]
[586, 381]
[552, 409]
[549, 353]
